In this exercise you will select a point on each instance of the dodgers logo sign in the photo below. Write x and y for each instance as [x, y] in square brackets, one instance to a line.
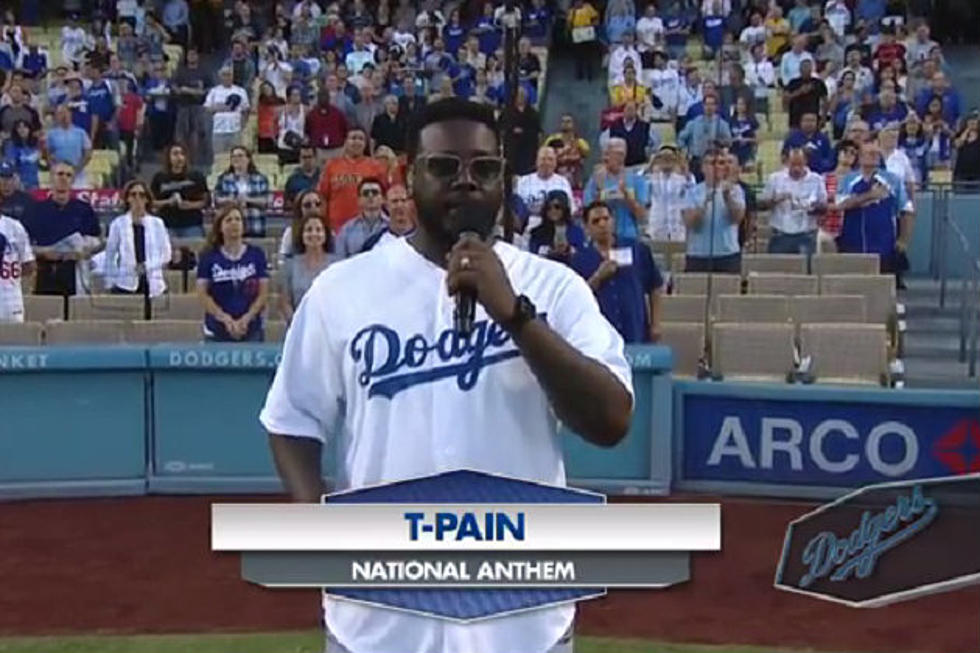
[886, 543]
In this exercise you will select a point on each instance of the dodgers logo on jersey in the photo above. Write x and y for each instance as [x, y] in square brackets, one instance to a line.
[390, 365]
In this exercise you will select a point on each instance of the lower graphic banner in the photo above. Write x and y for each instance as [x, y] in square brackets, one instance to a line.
[466, 545]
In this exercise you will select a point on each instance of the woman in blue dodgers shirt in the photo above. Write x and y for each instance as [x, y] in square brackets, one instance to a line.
[232, 281]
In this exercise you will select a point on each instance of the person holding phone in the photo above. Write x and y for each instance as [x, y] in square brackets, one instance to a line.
[625, 279]
[557, 237]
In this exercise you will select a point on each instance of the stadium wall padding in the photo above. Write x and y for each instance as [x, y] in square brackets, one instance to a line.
[117, 420]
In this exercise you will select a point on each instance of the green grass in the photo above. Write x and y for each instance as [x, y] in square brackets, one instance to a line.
[289, 642]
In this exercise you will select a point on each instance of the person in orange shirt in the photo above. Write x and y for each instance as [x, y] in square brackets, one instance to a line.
[341, 176]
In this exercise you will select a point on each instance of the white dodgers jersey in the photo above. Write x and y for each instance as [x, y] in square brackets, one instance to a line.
[15, 251]
[371, 358]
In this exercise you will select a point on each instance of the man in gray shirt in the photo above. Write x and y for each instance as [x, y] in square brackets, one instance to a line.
[369, 222]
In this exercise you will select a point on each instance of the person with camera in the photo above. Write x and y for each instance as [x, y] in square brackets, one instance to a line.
[228, 104]
[967, 143]
[558, 237]
[625, 279]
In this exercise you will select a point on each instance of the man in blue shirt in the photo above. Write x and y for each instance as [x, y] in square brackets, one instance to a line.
[63, 231]
[878, 215]
[820, 154]
[716, 207]
[68, 143]
[102, 104]
[626, 194]
[81, 113]
[625, 279]
[941, 88]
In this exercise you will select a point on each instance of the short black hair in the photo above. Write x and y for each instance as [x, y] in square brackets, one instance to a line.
[592, 206]
[452, 108]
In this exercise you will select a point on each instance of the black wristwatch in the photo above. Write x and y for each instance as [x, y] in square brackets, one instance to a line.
[524, 312]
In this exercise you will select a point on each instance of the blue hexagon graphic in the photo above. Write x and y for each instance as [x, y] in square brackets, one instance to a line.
[466, 486]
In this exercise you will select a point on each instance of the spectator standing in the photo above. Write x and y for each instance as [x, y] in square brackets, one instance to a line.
[640, 136]
[369, 108]
[305, 177]
[326, 127]
[913, 141]
[533, 188]
[180, 194]
[312, 245]
[16, 263]
[558, 237]
[241, 65]
[583, 20]
[190, 86]
[81, 114]
[888, 110]
[176, 18]
[715, 208]
[949, 97]
[64, 231]
[896, 160]
[629, 89]
[744, 128]
[670, 184]
[649, 29]
[232, 281]
[736, 88]
[704, 132]
[967, 143]
[877, 213]
[778, 31]
[159, 108]
[390, 128]
[18, 110]
[243, 186]
[67, 143]
[623, 52]
[847, 156]
[138, 247]
[369, 221]
[228, 105]
[524, 135]
[805, 94]
[813, 142]
[341, 178]
[623, 192]
[677, 28]
[290, 127]
[620, 19]
[74, 40]
[130, 119]
[23, 153]
[624, 278]
[14, 203]
[269, 107]
[797, 196]
[571, 149]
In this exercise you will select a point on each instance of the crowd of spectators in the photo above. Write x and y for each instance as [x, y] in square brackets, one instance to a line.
[311, 101]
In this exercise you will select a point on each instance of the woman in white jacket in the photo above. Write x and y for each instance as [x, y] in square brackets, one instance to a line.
[138, 248]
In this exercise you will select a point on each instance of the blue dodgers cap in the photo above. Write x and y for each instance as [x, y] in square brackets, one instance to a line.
[7, 169]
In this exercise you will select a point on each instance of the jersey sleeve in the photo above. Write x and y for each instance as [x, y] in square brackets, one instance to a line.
[576, 317]
[307, 393]
[22, 244]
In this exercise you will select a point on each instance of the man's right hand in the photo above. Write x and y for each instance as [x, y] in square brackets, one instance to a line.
[606, 270]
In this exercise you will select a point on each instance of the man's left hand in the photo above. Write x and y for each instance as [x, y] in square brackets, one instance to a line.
[474, 264]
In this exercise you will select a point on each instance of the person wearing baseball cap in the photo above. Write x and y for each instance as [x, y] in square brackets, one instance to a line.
[14, 202]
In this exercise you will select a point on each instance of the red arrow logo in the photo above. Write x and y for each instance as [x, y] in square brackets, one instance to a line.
[959, 449]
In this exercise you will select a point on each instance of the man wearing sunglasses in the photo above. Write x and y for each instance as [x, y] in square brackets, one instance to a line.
[373, 336]
[370, 222]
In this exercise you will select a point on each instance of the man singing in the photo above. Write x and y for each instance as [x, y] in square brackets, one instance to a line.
[372, 350]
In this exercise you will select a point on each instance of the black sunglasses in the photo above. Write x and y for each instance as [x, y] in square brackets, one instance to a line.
[370, 192]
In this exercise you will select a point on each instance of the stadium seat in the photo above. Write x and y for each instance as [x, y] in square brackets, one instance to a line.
[105, 307]
[175, 281]
[752, 352]
[677, 262]
[765, 263]
[696, 283]
[158, 331]
[878, 292]
[682, 308]
[179, 307]
[686, 341]
[845, 264]
[753, 308]
[271, 248]
[807, 309]
[21, 333]
[59, 332]
[275, 331]
[195, 245]
[846, 353]
[41, 308]
[782, 284]
[668, 247]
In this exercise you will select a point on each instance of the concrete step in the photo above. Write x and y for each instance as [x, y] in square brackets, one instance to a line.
[939, 324]
[935, 373]
[945, 346]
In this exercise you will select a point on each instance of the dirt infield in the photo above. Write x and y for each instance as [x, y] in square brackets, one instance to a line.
[144, 565]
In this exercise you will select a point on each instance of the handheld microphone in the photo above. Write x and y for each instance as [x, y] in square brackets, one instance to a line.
[474, 220]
